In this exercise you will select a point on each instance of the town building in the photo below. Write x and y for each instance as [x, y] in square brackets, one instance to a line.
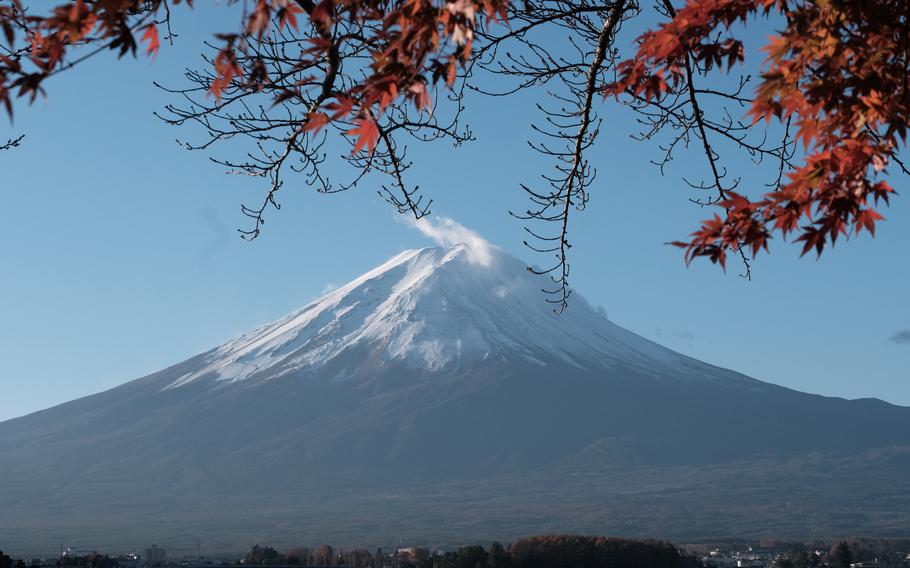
[155, 556]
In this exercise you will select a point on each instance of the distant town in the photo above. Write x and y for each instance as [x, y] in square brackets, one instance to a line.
[551, 551]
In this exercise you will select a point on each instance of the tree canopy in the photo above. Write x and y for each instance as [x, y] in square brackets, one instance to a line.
[828, 110]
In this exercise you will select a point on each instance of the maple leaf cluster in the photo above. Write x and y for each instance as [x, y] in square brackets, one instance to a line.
[837, 72]
[408, 46]
[36, 45]
[410, 56]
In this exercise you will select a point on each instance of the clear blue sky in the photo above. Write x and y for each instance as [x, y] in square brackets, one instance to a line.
[119, 253]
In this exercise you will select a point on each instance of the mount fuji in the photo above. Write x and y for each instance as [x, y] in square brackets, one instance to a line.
[439, 399]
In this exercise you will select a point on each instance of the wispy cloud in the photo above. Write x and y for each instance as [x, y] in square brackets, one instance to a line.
[902, 337]
[448, 232]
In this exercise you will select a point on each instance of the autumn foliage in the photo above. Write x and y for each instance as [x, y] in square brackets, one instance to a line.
[834, 82]
[836, 74]
[595, 552]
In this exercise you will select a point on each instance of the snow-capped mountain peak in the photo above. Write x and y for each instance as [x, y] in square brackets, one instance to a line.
[432, 308]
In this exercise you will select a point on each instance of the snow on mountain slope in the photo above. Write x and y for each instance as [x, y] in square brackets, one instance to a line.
[436, 309]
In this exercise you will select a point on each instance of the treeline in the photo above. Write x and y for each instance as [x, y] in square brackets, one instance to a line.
[890, 552]
[887, 552]
[93, 560]
[322, 555]
[595, 552]
[7, 562]
[89, 561]
[549, 551]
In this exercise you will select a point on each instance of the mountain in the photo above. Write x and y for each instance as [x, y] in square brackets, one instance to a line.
[437, 398]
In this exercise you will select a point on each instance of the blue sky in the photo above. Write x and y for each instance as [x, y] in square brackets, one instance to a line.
[120, 254]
